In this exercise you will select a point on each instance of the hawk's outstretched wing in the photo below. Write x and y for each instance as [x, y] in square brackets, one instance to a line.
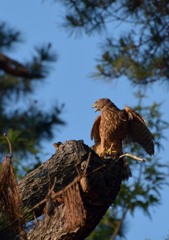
[95, 133]
[137, 131]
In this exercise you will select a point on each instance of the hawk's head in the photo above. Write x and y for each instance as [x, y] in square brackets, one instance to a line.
[101, 103]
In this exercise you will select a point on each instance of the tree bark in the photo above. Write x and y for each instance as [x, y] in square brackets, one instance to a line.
[71, 192]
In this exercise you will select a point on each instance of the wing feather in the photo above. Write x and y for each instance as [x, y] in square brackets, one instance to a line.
[95, 133]
[137, 131]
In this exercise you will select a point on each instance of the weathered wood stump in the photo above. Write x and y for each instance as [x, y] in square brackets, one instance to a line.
[77, 185]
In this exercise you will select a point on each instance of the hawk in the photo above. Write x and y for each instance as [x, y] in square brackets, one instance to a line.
[114, 126]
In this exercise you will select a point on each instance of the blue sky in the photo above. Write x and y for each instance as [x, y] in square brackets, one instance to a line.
[69, 83]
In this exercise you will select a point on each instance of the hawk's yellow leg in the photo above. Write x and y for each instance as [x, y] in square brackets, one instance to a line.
[111, 151]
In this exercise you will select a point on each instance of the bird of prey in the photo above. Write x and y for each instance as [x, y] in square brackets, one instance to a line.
[113, 126]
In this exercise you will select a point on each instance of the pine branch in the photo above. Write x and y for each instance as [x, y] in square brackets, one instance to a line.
[15, 68]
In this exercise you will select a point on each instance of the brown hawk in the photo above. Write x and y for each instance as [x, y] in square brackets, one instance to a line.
[114, 126]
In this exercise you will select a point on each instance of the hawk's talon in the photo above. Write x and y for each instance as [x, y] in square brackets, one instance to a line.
[110, 151]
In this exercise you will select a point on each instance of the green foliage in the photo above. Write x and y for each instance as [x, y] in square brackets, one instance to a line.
[22, 118]
[8, 37]
[138, 43]
[38, 65]
[108, 226]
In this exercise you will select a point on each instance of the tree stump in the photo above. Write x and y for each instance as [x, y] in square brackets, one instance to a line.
[71, 192]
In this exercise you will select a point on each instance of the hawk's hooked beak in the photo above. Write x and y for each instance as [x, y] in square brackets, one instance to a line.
[95, 106]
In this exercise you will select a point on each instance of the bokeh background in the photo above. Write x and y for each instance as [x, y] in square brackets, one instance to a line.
[70, 83]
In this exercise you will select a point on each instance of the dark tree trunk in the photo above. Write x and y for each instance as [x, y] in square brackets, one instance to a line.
[72, 190]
